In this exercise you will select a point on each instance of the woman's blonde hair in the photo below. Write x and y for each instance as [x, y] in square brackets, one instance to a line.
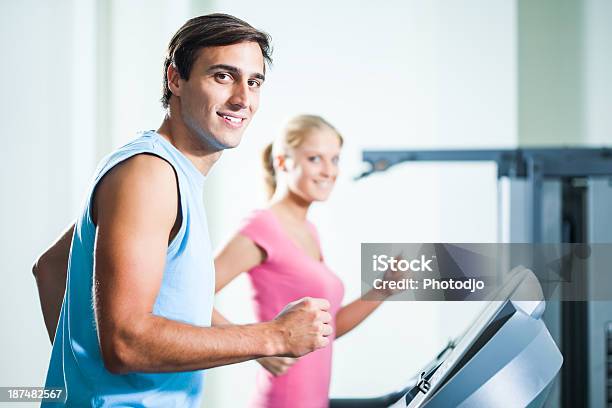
[292, 136]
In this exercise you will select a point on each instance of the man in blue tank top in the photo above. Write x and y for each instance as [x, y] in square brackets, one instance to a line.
[127, 291]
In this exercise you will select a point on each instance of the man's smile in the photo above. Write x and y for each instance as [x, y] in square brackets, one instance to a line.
[233, 120]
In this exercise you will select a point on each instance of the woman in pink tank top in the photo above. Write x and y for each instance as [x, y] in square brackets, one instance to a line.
[280, 249]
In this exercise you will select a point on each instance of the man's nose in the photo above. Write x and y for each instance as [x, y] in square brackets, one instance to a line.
[240, 96]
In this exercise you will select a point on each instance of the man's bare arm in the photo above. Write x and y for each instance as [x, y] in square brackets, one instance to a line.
[135, 209]
[50, 272]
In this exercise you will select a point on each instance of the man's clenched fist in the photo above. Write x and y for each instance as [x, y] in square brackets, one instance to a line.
[305, 325]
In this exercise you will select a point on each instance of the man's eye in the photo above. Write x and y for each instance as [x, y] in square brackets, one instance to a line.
[314, 159]
[335, 160]
[254, 83]
[222, 76]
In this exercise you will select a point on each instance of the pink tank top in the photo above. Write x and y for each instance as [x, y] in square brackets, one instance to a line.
[289, 274]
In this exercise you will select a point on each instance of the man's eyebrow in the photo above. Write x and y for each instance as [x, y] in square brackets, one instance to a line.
[234, 70]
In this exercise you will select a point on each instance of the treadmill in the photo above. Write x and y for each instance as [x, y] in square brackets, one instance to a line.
[506, 358]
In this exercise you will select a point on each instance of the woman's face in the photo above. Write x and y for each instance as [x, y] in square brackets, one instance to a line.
[312, 167]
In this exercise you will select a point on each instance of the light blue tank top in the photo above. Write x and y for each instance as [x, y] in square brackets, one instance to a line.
[186, 295]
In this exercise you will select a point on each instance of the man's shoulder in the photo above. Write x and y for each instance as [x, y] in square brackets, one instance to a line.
[142, 169]
[142, 181]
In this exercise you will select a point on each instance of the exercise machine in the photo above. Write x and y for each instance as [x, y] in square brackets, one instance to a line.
[506, 358]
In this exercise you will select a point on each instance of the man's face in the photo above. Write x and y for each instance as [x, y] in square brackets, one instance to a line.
[222, 93]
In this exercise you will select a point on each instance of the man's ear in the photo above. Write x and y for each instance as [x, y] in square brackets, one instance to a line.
[174, 80]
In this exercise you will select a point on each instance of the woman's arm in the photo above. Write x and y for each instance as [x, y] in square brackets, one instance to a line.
[238, 255]
[349, 316]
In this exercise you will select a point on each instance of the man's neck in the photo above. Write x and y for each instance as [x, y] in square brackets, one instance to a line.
[174, 130]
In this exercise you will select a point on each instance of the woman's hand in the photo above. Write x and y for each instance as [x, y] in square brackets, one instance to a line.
[277, 365]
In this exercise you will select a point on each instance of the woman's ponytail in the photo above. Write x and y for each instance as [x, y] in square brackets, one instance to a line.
[269, 173]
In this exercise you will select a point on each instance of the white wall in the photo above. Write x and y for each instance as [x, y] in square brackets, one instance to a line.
[139, 35]
[597, 60]
[550, 70]
[34, 171]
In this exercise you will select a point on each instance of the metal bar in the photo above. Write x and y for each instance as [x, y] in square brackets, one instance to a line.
[553, 162]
